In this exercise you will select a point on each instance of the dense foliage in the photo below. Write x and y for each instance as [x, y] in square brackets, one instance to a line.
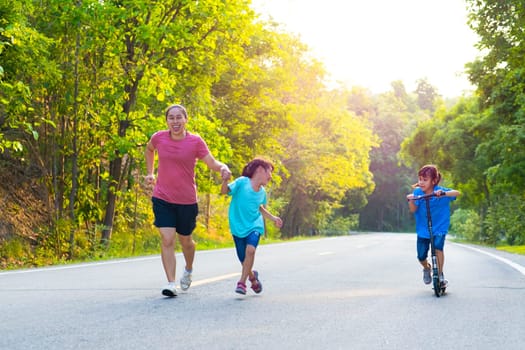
[481, 140]
[84, 84]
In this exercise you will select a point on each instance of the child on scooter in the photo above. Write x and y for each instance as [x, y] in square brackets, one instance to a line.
[428, 180]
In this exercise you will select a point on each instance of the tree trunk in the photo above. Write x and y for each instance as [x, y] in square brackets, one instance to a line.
[115, 179]
[115, 169]
[74, 160]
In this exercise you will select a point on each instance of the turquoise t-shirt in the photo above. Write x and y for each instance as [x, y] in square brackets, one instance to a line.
[244, 214]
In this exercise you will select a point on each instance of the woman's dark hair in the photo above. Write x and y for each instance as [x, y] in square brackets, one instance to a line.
[252, 166]
[431, 171]
[181, 107]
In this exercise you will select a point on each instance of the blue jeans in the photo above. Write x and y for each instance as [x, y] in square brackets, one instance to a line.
[241, 243]
[423, 244]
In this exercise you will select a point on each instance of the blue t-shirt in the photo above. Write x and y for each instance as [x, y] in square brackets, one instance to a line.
[244, 214]
[439, 210]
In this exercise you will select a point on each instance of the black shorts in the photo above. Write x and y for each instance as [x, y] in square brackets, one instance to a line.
[183, 217]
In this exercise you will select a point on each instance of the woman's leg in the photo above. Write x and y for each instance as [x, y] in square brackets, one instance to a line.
[168, 252]
[188, 250]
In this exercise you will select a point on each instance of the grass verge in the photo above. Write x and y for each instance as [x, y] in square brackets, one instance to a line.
[516, 249]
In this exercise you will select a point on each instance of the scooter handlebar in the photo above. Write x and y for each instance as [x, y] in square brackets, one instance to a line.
[438, 193]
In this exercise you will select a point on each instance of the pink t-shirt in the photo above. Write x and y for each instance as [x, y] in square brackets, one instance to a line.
[176, 166]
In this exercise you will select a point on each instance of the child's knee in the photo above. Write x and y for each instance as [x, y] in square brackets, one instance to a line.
[250, 250]
[422, 256]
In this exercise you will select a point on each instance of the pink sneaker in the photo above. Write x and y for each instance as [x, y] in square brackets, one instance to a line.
[256, 284]
[241, 288]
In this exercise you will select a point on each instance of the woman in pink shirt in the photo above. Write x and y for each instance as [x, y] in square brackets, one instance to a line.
[175, 193]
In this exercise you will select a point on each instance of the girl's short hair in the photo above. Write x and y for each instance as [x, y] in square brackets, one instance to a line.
[252, 166]
[181, 107]
[431, 171]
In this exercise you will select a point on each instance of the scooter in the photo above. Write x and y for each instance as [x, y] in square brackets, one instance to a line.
[439, 289]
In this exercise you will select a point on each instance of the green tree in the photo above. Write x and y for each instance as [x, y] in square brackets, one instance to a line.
[466, 224]
[122, 62]
[24, 66]
[252, 95]
[328, 157]
[274, 103]
[499, 77]
[393, 115]
[188, 33]
[426, 95]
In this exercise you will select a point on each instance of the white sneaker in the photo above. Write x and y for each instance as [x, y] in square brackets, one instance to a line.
[169, 290]
[185, 281]
[442, 281]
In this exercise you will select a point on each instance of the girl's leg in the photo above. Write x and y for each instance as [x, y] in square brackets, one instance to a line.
[246, 253]
[252, 241]
[423, 245]
[422, 254]
[441, 260]
[247, 264]
[240, 248]
[425, 264]
[440, 244]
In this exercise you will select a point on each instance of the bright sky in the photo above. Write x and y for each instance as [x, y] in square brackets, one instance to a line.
[371, 43]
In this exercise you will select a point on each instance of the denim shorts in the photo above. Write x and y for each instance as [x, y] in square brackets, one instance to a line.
[423, 244]
[241, 244]
[183, 217]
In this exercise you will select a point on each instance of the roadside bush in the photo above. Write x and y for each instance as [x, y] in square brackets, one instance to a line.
[504, 223]
[14, 253]
[340, 226]
[466, 224]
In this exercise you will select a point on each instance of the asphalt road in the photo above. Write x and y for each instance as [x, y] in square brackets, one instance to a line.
[355, 292]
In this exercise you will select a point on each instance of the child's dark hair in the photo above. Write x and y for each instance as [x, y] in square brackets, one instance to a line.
[431, 171]
[250, 168]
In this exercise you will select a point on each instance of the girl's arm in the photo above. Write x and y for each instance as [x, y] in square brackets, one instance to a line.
[267, 215]
[224, 187]
[449, 193]
[412, 207]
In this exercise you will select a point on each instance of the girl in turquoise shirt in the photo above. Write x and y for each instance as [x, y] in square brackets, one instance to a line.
[246, 216]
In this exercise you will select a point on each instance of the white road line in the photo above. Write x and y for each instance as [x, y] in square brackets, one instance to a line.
[512, 264]
[326, 253]
[215, 279]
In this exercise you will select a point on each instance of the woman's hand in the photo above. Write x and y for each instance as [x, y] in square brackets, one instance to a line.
[225, 173]
[150, 179]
